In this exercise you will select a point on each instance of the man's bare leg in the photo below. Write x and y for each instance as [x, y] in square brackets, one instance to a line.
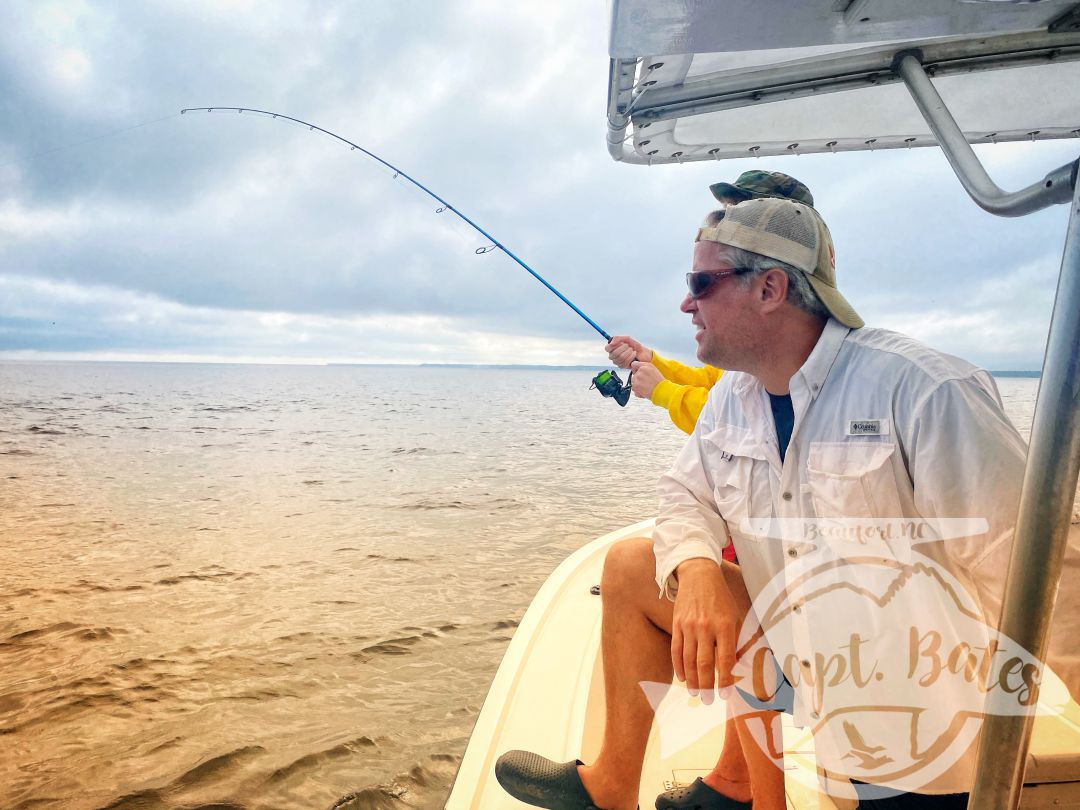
[636, 645]
[761, 742]
[731, 775]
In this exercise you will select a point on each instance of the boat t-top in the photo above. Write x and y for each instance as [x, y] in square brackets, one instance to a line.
[726, 79]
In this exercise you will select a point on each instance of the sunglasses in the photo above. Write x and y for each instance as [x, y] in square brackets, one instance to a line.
[701, 281]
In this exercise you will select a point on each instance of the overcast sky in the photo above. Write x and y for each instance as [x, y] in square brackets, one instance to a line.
[232, 237]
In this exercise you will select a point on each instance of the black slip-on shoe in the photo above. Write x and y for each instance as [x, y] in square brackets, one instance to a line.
[697, 796]
[538, 781]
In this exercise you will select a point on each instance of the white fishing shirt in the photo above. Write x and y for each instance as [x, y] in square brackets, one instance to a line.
[891, 518]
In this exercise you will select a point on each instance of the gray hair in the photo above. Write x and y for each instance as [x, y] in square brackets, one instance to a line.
[712, 219]
[799, 293]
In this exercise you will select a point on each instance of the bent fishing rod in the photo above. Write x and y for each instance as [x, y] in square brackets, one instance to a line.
[606, 382]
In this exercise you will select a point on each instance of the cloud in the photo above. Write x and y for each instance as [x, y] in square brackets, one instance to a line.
[498, 109]
[44, 319]
[1005, 317]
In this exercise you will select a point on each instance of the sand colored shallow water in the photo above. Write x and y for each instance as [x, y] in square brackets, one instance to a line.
[285, 587]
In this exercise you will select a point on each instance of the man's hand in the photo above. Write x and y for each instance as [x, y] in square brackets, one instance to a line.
[646, 376]
[703, 628]
[623, 350]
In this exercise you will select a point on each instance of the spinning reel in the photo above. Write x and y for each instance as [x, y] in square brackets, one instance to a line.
[609, 384]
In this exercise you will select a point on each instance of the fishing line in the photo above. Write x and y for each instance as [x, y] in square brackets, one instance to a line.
[108, 134]
[493, 243]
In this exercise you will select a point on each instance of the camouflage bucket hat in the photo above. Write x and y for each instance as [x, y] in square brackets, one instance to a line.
[757, 184]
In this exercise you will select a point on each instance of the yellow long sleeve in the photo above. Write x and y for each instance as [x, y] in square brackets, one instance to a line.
[683, 390]
[700, 376]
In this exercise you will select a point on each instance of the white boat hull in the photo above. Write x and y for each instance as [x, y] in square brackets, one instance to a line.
[548, 697]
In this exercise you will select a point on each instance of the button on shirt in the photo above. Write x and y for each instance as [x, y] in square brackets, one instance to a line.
[887, 433]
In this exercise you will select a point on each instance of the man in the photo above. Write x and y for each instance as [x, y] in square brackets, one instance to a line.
[820, 428]
[681, 389]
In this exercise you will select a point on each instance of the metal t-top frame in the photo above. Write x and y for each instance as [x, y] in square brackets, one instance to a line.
[1053, 462]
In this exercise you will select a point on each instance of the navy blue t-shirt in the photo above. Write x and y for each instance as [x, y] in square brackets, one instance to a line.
[784, 415]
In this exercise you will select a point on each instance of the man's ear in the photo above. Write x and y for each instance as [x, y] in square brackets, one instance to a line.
[774, 287]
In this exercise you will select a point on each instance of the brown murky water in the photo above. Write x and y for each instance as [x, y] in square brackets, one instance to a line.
[285, 587]
[275, 587]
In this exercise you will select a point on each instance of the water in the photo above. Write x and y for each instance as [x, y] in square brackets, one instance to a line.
[286, 587]
[273, 587]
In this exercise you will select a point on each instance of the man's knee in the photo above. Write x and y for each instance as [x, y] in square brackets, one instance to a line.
[629, 568]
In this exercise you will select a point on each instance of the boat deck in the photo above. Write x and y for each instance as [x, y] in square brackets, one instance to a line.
[548, 697]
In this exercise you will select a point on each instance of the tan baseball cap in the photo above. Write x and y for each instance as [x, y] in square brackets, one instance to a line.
[791, 233]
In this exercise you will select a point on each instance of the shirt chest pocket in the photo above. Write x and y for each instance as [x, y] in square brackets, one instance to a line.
[853, 480]
[739, 479]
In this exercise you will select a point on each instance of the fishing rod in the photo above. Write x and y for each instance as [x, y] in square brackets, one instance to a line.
[606, 382]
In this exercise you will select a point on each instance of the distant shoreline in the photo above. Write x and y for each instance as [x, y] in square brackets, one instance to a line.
[492, 366]
[528, 367]
[498, 366]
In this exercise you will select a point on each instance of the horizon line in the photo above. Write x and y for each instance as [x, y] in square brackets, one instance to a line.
[396, 364]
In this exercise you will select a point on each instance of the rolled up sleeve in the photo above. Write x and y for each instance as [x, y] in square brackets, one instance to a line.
[688, 525]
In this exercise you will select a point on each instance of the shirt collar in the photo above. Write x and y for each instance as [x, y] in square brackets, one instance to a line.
[816, 368]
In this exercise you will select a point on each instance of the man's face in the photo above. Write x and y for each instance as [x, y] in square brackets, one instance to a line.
[720, 314]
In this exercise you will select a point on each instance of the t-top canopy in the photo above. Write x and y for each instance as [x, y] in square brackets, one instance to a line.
[738, 78]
